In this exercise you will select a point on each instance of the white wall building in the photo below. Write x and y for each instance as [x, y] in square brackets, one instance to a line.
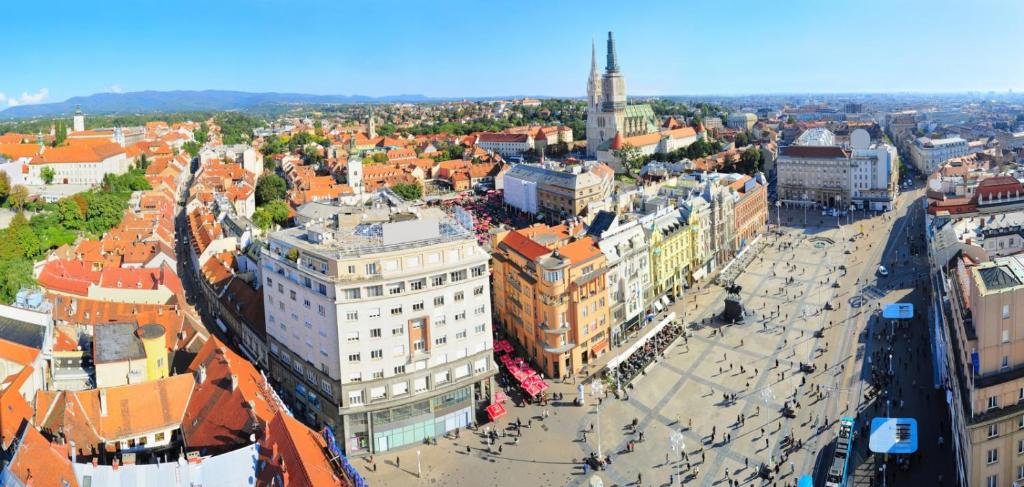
[379, 324]
[928, 154]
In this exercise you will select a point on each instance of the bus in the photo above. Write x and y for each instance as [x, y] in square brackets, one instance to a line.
[839, 470]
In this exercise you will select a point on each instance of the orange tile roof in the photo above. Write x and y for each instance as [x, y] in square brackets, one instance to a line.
[221, 417]
[14, 409]
[19, 150]
[67, 276]
[295, 453]
[37, 462]
[78, 153]
[580, 251]
[524, 245]
[17, 353]
[132, 410]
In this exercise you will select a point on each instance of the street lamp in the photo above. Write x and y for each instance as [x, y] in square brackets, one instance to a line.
[675, 442]
[778, 213]
[419, 471]
[768, 396]
[597, 390]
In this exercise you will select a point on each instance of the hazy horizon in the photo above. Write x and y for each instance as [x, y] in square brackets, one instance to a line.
[459, 49]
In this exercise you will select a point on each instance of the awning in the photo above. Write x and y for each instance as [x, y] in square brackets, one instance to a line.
[535, 387]
[599, 346]
[495, 411]
[658, 306]
[665, 301]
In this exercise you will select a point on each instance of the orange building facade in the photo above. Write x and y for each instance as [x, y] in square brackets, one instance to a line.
[551, 295]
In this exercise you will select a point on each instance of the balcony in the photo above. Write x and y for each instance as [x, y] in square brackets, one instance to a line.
[559, 349]
[559, 330]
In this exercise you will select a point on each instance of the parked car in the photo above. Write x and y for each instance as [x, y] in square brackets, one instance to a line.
[882, 271]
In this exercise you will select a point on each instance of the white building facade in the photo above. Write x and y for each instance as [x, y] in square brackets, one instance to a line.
[928, 154]
[379, 326]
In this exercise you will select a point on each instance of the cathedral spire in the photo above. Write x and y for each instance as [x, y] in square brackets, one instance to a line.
[593, 59]
[613, 64]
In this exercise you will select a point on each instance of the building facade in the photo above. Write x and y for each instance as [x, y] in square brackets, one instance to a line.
[551, 294]
[558, 192]
[928, 154]
[626, 253]
[379, 325]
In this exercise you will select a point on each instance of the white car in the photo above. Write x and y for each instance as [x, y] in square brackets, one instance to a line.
[882, 271]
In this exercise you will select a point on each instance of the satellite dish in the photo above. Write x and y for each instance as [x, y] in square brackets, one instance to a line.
[860, 139]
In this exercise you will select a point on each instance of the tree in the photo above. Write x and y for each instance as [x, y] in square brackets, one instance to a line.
[47, 173]
[192, 147]
[18, 196]
[14, 275]
[741, 139]
[5, 186]
[274, 212]
[630, 157]
[270, 187]
[70, 213]
[60, 133]
[750, 160]
[21, 232]
[142, 163]
[408, 191]
[790, 120]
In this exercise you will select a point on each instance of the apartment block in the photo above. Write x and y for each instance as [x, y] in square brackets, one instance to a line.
[379, 324]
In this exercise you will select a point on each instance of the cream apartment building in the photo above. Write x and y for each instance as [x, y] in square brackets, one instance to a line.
[988, 358]
[379, 325]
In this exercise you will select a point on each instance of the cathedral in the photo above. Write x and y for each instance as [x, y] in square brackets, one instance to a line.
[607, 111]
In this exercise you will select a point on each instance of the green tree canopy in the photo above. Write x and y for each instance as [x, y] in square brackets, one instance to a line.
[408, 191]
[14, 275]
[274, 212]
[18, 196]
[270, 187]
[630, 157]
[47, 173]
[5, 186]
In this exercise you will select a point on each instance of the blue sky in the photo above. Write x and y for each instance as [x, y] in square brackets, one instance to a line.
[456, 48]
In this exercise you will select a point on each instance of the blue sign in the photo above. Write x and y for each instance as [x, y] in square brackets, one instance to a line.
[893, 435]
[805, 481]
[898, 311]
[976, 362]
[332, 445]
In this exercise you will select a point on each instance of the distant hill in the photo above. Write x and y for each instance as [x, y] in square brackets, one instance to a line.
[184, 100]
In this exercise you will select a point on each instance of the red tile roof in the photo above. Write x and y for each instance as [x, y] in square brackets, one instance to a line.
[40, 463]
[221, 416]
[295, 454]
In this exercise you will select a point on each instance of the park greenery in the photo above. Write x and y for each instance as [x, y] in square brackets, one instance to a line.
[408, 191]
[88, 214]
[272, 213]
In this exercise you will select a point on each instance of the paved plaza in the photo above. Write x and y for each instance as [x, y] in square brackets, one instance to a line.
[724, 386]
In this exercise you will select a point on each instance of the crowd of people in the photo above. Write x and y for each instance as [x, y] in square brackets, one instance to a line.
[653, 348]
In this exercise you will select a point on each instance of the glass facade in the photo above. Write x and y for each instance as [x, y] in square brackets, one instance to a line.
[413, 423]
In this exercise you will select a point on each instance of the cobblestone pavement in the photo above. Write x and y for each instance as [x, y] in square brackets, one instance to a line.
[785, 288]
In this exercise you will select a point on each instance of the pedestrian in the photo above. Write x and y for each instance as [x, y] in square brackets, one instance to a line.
[469, 449]
[398, 462]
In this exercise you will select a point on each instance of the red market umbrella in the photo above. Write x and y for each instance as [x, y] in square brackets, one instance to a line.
[495, 411]
[500, 396]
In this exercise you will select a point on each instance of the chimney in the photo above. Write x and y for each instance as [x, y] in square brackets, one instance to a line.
[103, 402]
[234, 382]
[201, 374]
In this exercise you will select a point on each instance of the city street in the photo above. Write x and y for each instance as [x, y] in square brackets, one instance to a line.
[724, 386]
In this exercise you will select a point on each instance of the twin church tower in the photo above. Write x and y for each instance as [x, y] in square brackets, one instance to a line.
[607, 111]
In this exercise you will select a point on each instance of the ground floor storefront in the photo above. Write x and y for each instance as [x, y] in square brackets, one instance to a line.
[392, 428]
